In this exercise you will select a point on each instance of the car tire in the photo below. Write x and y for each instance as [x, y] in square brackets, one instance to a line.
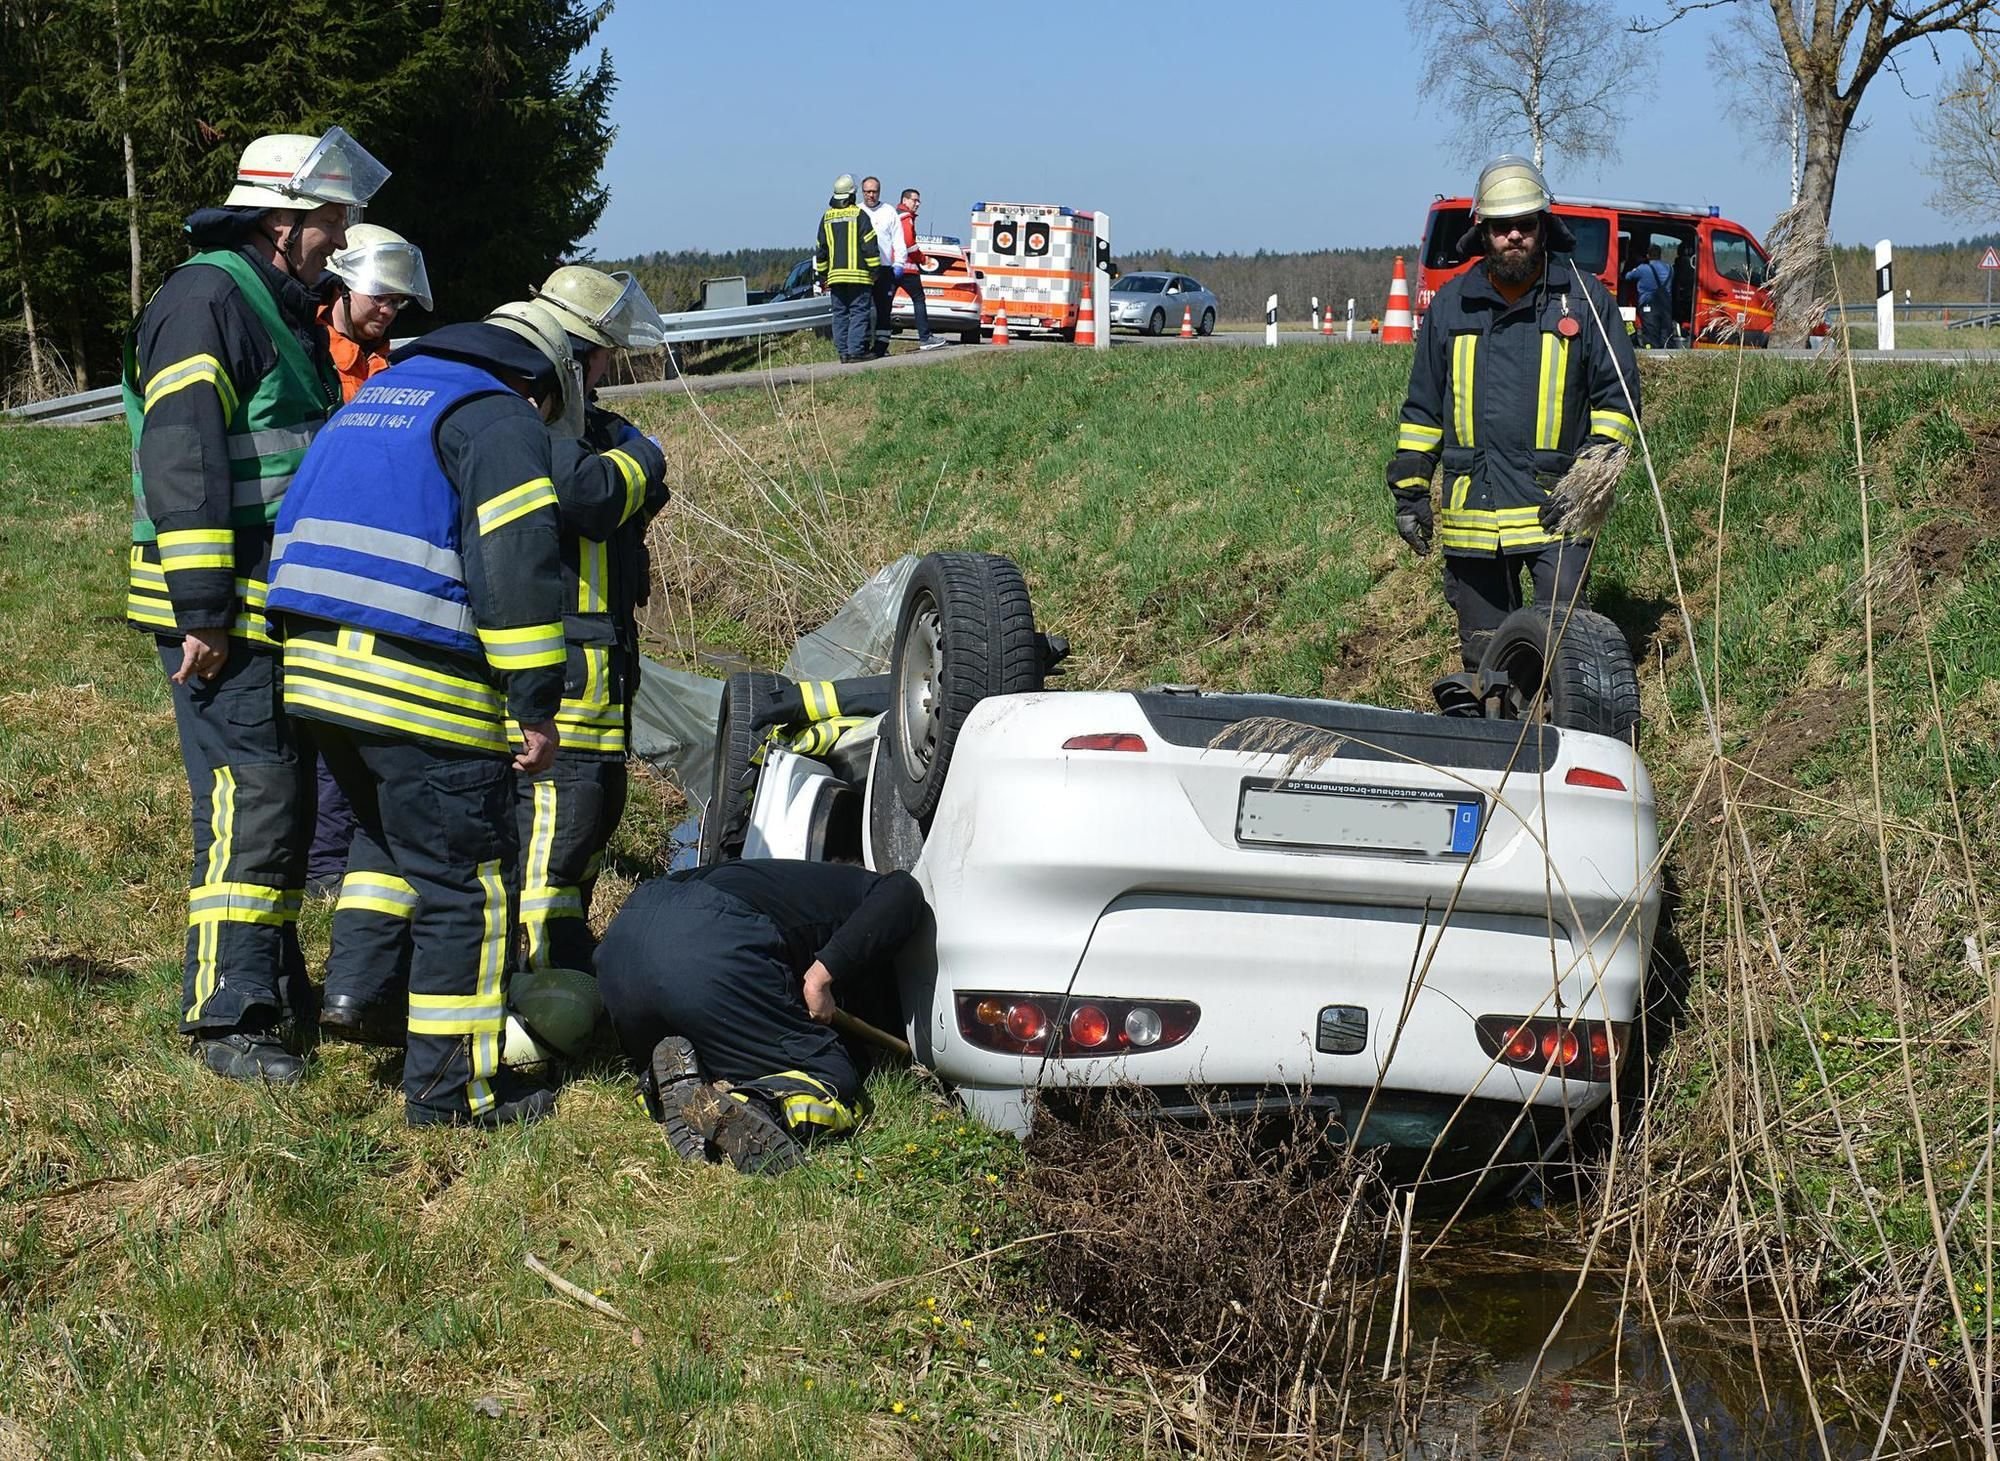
[1157, 323]
[1207, 322]
[969, 337]
[966, 632]
[745, 696]
[1590, 681]
[895, 838]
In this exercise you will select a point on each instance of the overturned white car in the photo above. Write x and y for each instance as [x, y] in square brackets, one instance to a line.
[1431, 928]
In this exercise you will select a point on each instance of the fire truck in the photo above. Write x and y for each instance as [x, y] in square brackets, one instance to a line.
[1719, 268]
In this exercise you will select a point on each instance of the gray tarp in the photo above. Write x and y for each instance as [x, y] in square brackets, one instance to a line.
[674, 713]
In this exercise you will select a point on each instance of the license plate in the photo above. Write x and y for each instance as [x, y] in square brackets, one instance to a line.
[1334, 817]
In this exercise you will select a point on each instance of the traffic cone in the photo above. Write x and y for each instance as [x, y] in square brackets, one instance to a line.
[1086, 321]
[1326, 322]
[1000, 326]
[1396, 322]
[1187, 322]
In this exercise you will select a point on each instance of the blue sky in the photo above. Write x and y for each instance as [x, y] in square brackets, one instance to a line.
[1280, 124]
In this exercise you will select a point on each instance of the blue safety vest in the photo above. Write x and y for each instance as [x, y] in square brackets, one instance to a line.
[368, 537]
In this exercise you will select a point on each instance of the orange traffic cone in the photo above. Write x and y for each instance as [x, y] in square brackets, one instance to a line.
[1086, 321]
[1187, 322]
[1000, 326]
[1396, 322]
[1326, 321]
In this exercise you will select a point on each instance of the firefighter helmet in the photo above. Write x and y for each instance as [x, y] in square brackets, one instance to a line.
[289, 170]
[605, 309]
[843, 186]
[551, 1013]
[548, 332]
[1510, 186]
[380, 261]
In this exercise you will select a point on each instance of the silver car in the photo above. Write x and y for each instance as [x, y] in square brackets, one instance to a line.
[1155, 302]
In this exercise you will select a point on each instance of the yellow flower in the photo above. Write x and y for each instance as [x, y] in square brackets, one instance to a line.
[931, 1302]
[992, 1177]
[975, 1230]
[1057, 1397]
[909, 1146]
[897, 1408]
[809, 1384]
[965, 1323]
[1076, 1354]
[1041, 1338]
[1932, 1362]
[1039, 1350]
[936, 1323]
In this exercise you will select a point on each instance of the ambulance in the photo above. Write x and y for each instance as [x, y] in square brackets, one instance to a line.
[1032, 260]
[1720, 270]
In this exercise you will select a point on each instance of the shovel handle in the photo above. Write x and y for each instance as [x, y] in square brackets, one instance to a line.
[860, 1029]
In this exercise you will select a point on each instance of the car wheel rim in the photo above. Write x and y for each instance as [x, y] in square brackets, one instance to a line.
[917, 689]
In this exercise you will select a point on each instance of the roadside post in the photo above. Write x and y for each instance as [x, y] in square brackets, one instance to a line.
[1988, 262]
[1350, 320]
[1313, 323]
[1885, 296]
[1100, 280]
[1271, 320]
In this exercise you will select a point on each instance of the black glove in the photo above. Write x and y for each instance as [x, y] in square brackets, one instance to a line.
[1414, 522]
[1551, 514]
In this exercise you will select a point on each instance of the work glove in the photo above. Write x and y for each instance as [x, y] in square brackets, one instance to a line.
[1414, 522]
[1551, 514]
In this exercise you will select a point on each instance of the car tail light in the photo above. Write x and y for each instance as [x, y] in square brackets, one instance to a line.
[1582, 1050]
[1584, 776]
[1048, 1024]
[1106, 741]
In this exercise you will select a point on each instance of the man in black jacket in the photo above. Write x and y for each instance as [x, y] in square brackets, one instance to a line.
[730, 973]
[1523, 365]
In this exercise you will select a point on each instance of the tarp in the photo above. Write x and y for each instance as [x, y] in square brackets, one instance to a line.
[674, 712]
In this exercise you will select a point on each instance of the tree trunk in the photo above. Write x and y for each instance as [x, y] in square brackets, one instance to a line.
[1800, 288]
[79, 356]
[131, 172]
[36, 375]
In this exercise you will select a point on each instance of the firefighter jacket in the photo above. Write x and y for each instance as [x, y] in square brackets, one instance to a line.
[353, 361]
[608, 487]
[848, 251]
[226, 380]
[1503, 396]
[416, 580]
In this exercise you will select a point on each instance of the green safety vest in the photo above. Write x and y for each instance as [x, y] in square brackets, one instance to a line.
[269, 432]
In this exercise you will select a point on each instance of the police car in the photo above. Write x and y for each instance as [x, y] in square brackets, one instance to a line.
[1431, 930]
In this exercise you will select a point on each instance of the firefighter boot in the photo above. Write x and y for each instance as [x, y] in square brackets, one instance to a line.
[244, 1055]
[744, 1130]
[673, 1081]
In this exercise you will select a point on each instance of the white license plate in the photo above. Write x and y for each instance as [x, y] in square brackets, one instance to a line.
[1357, 818]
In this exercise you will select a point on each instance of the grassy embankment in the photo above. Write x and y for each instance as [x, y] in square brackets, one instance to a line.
[1217, 516]
[192, 1267]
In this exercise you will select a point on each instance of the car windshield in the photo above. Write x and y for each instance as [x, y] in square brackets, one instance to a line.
[1139, 284]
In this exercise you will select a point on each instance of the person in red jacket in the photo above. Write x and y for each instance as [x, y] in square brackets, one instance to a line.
[910, 273]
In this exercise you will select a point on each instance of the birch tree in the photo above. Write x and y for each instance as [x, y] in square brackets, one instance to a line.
[1964, 140]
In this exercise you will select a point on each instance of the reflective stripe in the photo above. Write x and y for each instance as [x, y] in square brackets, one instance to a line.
[383, 893]
[272, 441]
[454, 1014]
[377, 542]
[1614, 424]
[552, 902]
[527, 648]
[355, 658]
[1492, 529]
[197, 548]
[822, 736]
[635, 482]
[1464, 361]
[515, 502]
[1549, 399]
[1411, 436]
[486, 1043]
[304, 696]
[592, 569]
[822, 701]
[194, 370]
[407, 603]
[221, 833]
[535, 872]
[602, 739]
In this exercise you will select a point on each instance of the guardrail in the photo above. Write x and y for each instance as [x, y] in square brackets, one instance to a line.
[71, 410]
[781, 317]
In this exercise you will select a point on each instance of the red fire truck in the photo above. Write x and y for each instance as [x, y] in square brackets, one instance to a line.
[1719, 267]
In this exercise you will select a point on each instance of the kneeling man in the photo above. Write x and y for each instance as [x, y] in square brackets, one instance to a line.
[730, 974]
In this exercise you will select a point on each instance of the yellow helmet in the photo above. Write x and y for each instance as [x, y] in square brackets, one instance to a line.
[380, 261]
[548, 332]
[605, 309]
[1510, 186]
[551, 1013]
[290, 170]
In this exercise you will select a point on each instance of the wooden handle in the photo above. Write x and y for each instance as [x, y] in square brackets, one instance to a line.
[860, 1029]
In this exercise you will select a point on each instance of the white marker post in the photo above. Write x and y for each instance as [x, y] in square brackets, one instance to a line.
[1350, 321]
[1271, 320]
[1885, 297]
[1100, 280]
[1313, 323]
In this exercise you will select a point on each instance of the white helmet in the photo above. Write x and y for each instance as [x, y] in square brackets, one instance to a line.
[548, 332]
[605, 309]
[1510, 186]
[380, 261]
[288, 170]
[551, 1014]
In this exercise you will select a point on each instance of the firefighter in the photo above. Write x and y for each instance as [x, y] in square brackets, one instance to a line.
[418, 584]
[379, 273]
[845, 259]
[226, 381]
[729, 974]
[607, 497]
[1521, 365]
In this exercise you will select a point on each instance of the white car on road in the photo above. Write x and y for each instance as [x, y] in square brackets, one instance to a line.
[1433, 929]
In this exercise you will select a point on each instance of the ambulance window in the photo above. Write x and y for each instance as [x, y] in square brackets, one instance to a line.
[1441, 247]
[1593, 242]
[1737, 259]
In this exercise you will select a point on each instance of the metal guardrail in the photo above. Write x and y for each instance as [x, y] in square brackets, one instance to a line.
[781, 317]
[71, 410]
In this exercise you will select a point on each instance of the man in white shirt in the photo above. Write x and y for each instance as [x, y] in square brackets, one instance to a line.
[889, 236]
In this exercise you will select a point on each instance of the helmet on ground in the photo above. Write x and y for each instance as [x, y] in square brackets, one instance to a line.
[380, 261]
[548, 332]
[605, 309]
[1510, 186]
[289, 170]
[843, 186]
[551, 1014]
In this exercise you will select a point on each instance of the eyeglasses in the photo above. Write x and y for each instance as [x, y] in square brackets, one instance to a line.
[397, 302]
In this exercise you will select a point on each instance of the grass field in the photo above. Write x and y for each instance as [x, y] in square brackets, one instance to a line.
[188, 1267]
